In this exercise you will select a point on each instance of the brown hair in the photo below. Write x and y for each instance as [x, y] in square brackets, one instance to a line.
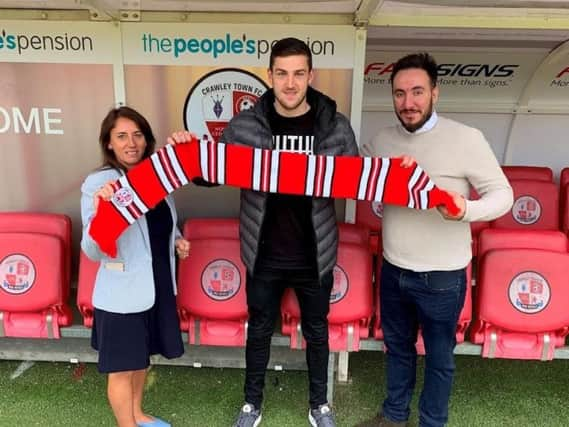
[288, 47]
[422, 61]
[108, 124]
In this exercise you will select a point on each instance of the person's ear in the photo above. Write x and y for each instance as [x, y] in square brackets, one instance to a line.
[435, 94]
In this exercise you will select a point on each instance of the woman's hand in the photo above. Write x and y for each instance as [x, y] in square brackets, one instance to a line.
[106, 193]
[182, 248]
[181, 137]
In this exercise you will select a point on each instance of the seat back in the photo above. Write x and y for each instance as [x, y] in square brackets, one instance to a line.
[536, 173]
[353, 233]
[32, 297]
[536, 206]
[478, 226]
[369, 215]
[351, 299]
[522, 294]
[207, 228]
[53, 224]
[521, 310]
[86, 283]
[495, 238]
[564, 177]
[563, 200]
[211, 284]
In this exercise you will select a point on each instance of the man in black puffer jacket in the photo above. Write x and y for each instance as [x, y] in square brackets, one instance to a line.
[289, 241]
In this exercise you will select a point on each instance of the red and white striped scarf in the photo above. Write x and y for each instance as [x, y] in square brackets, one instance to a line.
[362, 178]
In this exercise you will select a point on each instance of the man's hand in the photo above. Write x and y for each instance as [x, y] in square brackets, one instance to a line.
[182, 247]
[459, 201]
[181, 137]
[406, 161]
[106, 192]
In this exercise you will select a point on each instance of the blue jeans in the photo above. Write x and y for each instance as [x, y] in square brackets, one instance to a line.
[432, 301]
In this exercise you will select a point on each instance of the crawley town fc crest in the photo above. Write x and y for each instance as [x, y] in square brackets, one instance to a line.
[17, 274]
[221, 280]
[217, 97]
[526, 210]
[529, 292]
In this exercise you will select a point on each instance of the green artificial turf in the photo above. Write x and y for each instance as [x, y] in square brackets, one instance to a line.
[486, 393]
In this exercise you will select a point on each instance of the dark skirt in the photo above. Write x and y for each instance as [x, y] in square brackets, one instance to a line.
[125, 342]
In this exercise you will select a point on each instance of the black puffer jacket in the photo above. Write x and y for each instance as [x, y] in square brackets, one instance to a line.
[333, 135]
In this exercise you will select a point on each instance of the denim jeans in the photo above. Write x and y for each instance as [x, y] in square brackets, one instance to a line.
[432, 301]
[264, 294]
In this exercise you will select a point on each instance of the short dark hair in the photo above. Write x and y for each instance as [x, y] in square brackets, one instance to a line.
[288, 47]
[423, 61]
[109, 123]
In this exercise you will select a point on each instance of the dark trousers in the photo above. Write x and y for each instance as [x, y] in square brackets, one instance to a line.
[432, 300]
[264, 293]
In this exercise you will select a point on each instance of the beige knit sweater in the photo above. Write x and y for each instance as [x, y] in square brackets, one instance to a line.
[454, 156]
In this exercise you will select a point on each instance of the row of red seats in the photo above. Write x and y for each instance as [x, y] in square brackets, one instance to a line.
[211, 289]
[515, 314]
[35, 274]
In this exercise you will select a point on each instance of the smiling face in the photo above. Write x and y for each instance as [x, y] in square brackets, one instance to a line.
[290, 77]
[127, 142]
[414, 97]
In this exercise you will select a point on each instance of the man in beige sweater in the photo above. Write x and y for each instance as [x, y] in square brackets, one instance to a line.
[425, 253]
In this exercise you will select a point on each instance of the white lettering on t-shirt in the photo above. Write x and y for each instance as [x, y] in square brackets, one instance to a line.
[294, 143]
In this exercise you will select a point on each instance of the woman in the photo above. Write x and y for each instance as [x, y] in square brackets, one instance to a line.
[134, 295]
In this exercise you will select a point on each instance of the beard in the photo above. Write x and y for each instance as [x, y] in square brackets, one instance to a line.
[412, 127]
[293, 107]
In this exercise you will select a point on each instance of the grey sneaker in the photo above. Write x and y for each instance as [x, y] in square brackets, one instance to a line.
[249, 416]
[321, 417]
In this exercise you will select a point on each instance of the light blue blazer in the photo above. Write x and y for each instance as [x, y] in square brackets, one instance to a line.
[124, 284]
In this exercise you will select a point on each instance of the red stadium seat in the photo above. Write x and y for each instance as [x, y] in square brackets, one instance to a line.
[350, 301]
[563, 200]
[211, 285]
[536, 173]
[495, 238]
[521, 307]
[34, 274]
[369, 215]
[208, 228]
[86, 282]
[476, 227]
[376, 330]
[353, 233]
[564, 209]
[564, 177]
[536, 206]
[58, 225]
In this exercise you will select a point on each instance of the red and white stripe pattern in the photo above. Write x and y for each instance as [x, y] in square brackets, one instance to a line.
[319, 176]
[168, 169]
[373, 178]
[170, 174]
[419, 186]
[212, 162]
[266, 168]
